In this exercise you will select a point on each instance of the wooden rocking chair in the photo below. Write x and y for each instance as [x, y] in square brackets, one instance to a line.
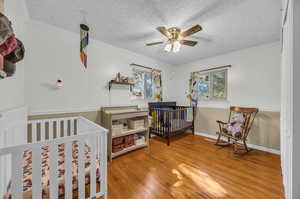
[239, 139]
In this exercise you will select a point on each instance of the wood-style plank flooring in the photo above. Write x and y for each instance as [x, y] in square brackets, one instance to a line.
[193, 167]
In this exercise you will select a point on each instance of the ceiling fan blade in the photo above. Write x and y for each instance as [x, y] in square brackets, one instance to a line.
[191, 31]
[164, 31]
[202, 38]
[188, 42]
[154, 43]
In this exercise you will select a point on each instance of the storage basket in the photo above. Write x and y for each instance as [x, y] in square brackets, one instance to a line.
[117, 128]
[140, 140]
[118, 141]
[136, 123]
[117, 148]
[129, 140]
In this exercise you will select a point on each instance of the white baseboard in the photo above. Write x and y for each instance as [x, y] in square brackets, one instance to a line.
[253, 146]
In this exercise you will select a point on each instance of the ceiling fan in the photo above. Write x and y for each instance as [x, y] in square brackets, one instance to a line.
[176, 38]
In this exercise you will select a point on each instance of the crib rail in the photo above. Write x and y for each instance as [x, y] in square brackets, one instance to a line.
[52, 133]
[163, 120]
[48, 129]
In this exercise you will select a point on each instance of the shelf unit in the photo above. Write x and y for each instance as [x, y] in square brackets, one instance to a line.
[111, 82]
[110, 114]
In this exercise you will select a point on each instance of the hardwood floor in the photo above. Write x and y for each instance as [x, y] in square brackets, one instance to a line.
[191, 168]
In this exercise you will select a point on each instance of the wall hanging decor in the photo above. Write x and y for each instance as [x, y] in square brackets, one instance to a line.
[84, 42]
[148, 85]
[11, 49]
[138, 87]
[157, 84]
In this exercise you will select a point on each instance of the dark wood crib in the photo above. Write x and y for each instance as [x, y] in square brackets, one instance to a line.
[169, 120]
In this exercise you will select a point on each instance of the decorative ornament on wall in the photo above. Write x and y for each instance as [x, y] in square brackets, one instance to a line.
[59, 83]
[84, 42]
[84, 38]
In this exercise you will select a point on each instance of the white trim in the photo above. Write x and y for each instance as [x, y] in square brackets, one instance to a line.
[286, 130]
[257, 147]
[66, 111]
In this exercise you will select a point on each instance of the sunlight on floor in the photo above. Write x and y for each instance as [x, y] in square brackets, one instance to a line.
[191, 179]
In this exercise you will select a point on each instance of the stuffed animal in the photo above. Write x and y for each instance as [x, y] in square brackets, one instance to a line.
[235, 125]
[16, 55]
[9, 68]
[11, 49]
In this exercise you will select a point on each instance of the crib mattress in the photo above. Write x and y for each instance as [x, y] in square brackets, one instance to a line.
[27, 171]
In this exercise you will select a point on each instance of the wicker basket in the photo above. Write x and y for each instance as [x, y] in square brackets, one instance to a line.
[117, 148]
[129, 140]
[118, 141]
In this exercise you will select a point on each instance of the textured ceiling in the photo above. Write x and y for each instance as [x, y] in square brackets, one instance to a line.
[228, 24]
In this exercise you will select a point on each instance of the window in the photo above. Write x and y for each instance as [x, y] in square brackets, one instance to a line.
[209, 85]
[147, 84]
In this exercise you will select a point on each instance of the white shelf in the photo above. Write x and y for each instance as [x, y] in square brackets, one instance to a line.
[130, 132]
[128, 149]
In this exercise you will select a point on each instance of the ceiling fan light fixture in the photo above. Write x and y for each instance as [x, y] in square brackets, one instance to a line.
[176, 38]
[176, 46]
[168, 48]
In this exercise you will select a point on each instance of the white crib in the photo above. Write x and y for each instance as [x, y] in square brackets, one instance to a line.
[51, 134]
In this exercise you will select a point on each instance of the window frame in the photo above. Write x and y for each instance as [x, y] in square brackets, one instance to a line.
[210, 75]
[144, 97]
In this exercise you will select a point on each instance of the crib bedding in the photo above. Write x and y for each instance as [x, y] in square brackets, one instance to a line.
[175, 124]
[27, 171]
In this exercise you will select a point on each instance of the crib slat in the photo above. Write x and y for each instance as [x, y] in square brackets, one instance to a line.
[58, 129]
[68, 169]
[104, 166]
[43, 131]
[76, 126]
[36, 173]
[53, 171]
[93, 164]
[102, 159]
[33, 132]
[81, 174]
[17, 177]
[65, 128]
[72, 127]
[50, 128]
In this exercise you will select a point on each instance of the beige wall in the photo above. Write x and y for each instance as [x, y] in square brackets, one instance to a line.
[265, 131]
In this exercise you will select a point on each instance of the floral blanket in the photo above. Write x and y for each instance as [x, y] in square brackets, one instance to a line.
[27, 171]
